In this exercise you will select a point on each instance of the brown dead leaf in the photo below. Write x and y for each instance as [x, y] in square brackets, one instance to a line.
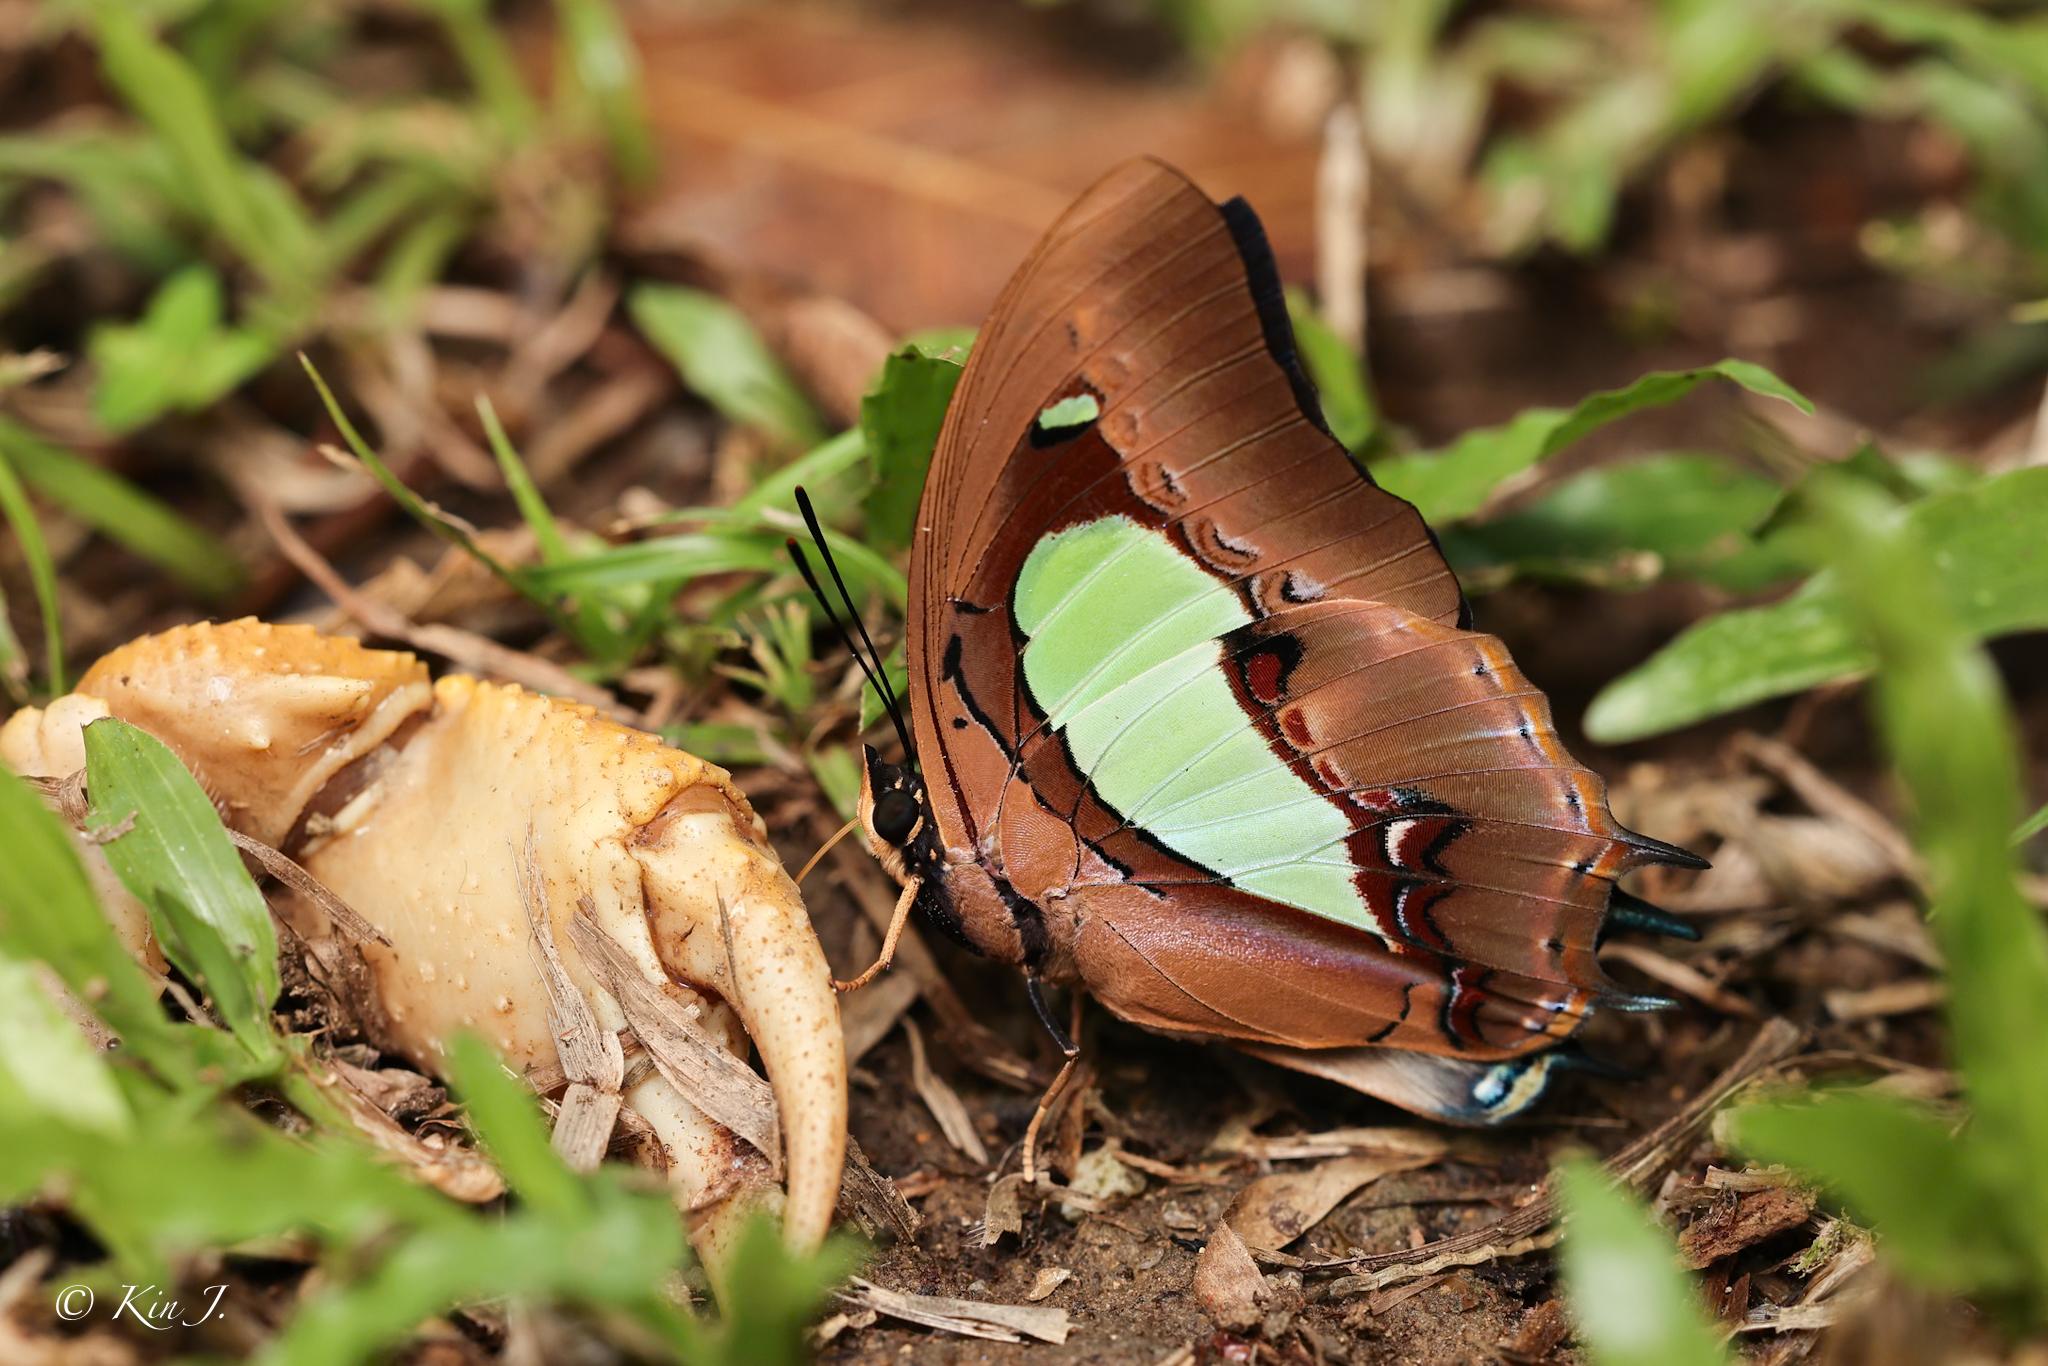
[1275, 1210]
[1735, 1222]
[1048, 1279]
[819, 147]
[695, 1062]
[1227, 1281]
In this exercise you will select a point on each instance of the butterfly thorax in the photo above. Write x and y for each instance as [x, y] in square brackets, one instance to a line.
[962, 892]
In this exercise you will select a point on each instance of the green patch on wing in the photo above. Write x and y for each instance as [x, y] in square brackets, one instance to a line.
[1123, 653]
[1075, 411]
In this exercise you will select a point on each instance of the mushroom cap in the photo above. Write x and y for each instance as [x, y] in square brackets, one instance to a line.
[263, 715]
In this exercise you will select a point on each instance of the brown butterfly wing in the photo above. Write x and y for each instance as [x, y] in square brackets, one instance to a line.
[1164, 309]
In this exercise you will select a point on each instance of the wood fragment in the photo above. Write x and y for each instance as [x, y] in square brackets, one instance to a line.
[1906, 996]
[942, 1100]
[683, 1051]
[1048, 1279]
[1388, 1140]
[1735, 1222]
[967, 1318]
[1003, 1212]
[872, 1200]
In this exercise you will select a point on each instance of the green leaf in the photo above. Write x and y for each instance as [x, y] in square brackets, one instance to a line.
[1666, 516]
[1632, 1303]
[721, 357]
[122, 512]
[449, 529]
[47, 1066]
[177, 358]
[1986, 542]
[48, 913]
[1456, 482]
[899, 421]
[2032, 826]
[165, 842]
[1879, 1156]
[1338, 374]
[42, 572]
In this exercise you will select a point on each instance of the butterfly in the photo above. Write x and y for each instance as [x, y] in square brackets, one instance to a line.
[1197, 720]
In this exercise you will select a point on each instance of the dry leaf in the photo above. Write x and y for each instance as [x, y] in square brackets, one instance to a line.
[1274, 1210]
[1227, 1281]
[694, 1062]
[962, 145]
[968, 1318]
[942, 1100]
[1048, 1279]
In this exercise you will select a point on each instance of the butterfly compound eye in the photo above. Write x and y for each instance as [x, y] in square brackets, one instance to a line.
[894, 815]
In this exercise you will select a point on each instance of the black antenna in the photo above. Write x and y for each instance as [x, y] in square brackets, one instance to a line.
[876, 674]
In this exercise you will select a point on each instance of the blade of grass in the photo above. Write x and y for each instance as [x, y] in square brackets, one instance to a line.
[124, 513]
[594, 631]
[489, 64]
[1942, 711]
[270, 231]
[164, 839]
[42, 572]
[599, 51]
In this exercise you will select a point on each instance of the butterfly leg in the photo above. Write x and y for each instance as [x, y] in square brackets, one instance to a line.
[897, 919]
[1065, 1039]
